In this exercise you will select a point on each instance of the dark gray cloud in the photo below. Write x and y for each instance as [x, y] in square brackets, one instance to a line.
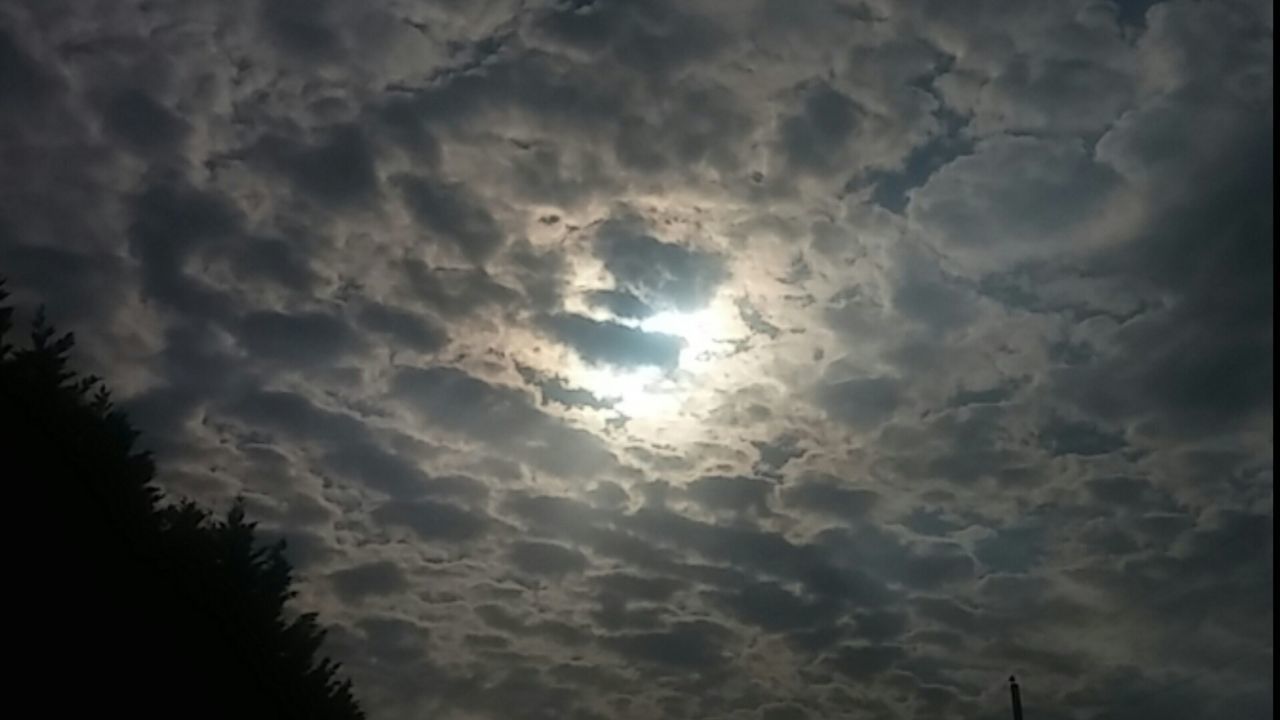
[756, 551]
[454, 291]
[1119, 492]
[638, 587]
[828, 497]
[450, 210]
[555, 390]
[461, 488]
[982, 382]
[303, 338]
[621, 303]
[1041, 211]
[293, 415]
[1205, 358]
[662, 274]
[813, 138]
[171, 223]
[543, 558]
[141, 122]
[862, 403]
[860, 662]
[278, 260]
[601, 341]
[738, 494]
[336, 169]
[1015, 549]
[379, 578]
[652, 38]
[685, 646]
[23, 78]
[434, 520]
[404, 328]
[930, 297]
[502, 417]
[370, 464]
[891, 188]
[773, 608]
[300, 27]
[1064, 437]
[783, 712]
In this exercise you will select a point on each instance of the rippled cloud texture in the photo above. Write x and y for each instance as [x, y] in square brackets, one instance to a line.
[653, 359]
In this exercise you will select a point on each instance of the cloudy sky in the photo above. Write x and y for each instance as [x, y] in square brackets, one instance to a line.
[764, 360]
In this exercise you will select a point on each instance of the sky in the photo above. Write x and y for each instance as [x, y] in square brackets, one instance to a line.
[751, 360]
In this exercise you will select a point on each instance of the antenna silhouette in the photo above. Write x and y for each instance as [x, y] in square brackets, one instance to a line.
[1016, 695]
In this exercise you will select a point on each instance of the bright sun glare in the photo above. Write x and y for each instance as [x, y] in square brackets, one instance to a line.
[700, 331]
[649, 392]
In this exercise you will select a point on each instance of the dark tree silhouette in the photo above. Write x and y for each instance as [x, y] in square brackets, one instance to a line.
[128, 605]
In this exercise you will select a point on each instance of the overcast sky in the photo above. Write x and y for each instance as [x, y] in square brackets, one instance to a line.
[769, 360]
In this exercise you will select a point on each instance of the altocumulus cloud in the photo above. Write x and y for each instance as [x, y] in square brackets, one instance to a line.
[953, 320]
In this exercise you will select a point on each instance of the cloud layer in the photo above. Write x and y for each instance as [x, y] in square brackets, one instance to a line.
[756, 360]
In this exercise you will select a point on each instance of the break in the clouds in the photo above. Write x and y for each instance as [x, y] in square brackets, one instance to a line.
[756, 360]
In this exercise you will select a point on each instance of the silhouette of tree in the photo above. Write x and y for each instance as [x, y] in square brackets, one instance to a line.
[127, 603]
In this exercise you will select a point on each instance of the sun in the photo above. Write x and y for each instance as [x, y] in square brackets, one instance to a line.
[652, 392]
[704, 332]
[646, 392]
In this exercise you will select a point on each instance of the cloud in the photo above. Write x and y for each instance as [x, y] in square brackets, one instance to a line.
[754, 551]
[434, 520]
[687, 645]
[24, 78]
[337, 169]
[1015, 199]
[663, 274]
[171, 222]
[453, 291]
[555, 390]
[783, 712]
[1070, 96]
[862, 403]
[862, 661]
[1203, 365]
[1015, 549]
[143, 123]
[738, 494]
[1117, 491]
[380, 578]
[300, 27]
[776, 454]
[278, 260]
[990, 296]
[1064, 437]
[638, 587]
[622, 304]
[301, 339]
[773, 608]
[412, 331]
[610, 343]
[812, 139]
[452, 211]
[550, 559]
[655, 39]
[291, 414]
[393, 640]
[827, 497]
[377, 468]
[502, 418]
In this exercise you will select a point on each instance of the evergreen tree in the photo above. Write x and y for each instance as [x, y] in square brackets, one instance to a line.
[130, 605]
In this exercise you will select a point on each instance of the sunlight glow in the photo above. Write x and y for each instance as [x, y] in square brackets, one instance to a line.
[640, 393]
[703, 332]
[651, 392]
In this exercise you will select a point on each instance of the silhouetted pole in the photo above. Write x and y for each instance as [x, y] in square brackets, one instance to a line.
[1017, 698]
